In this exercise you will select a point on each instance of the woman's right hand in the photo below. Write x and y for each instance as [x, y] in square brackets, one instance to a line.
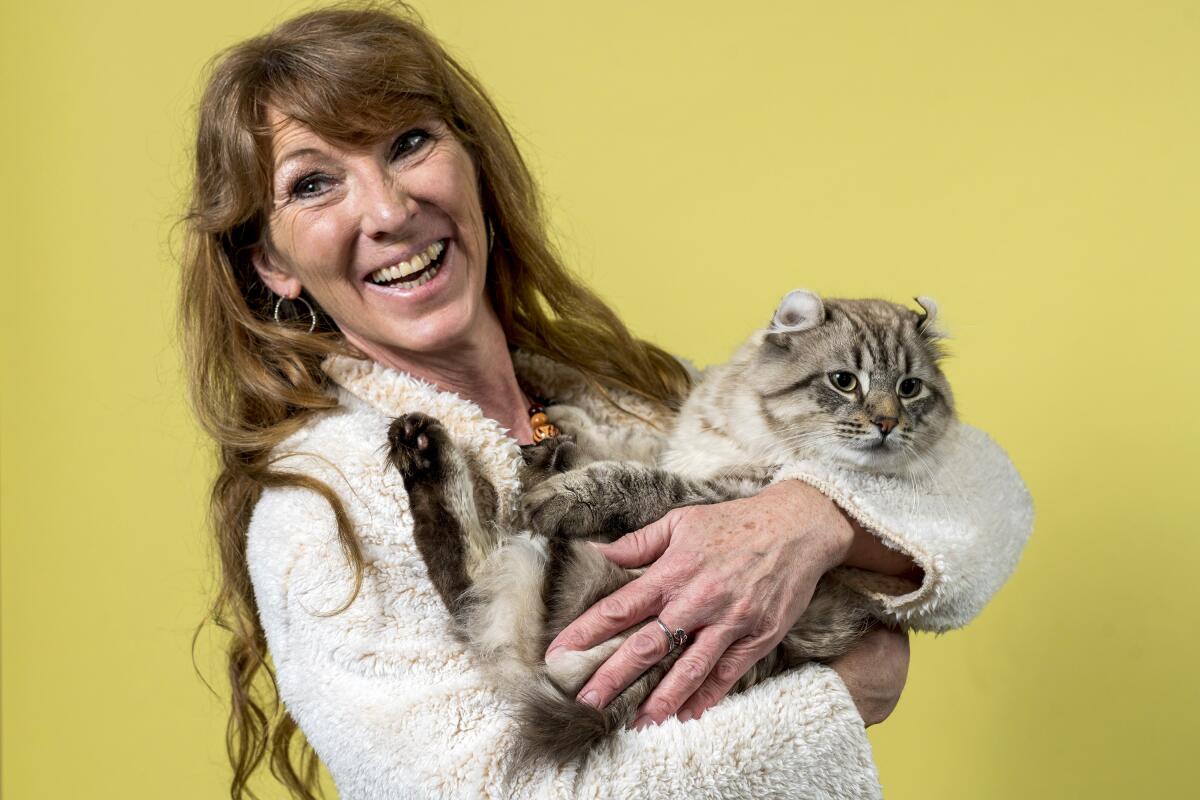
[874, 672]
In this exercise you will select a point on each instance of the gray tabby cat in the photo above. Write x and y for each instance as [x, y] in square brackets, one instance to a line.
[854, 382]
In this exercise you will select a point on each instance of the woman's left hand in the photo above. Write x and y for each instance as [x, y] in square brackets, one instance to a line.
[735, 576]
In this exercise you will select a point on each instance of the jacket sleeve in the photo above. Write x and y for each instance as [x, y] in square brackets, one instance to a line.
[963, 518]
[395, 708]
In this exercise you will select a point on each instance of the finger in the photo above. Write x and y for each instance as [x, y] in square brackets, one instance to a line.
[685, 676]
[638, 653]
[639, 548]
[730, 667]
[635, 601]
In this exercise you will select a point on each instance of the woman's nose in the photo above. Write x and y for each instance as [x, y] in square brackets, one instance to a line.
[386, 208]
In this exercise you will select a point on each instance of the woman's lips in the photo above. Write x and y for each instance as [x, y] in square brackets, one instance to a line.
[425, 280]
[418, 270]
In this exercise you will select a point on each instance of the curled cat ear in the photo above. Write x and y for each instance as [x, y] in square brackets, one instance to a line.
[798, 311]
[927, 322]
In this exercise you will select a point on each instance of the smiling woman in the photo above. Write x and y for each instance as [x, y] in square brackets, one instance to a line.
[389, 239]
[345, 159]
[311, 176]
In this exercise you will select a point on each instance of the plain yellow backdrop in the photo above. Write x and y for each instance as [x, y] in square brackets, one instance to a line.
[1032, 165]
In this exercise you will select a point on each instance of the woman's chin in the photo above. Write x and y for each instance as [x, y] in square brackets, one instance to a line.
[438, 316]
[440, 329]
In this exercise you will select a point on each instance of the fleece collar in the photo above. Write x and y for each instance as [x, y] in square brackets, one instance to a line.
[392, 393]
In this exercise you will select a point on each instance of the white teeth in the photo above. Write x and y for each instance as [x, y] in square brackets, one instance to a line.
[414, 265]
[421, 281]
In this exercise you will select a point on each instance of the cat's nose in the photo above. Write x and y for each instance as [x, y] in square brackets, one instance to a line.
[885, 424]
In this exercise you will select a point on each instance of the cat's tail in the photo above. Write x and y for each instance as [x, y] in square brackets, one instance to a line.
[553, 728]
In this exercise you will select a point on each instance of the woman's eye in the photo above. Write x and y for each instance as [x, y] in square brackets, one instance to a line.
[843, 381]
[409, 142]
[909, 388]
[310, 186]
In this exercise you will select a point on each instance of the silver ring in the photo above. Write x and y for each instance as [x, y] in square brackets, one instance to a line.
[675, 640]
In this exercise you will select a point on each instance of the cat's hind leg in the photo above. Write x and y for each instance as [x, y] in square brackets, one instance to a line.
[453, 507]
[552, 727]
[836, 618]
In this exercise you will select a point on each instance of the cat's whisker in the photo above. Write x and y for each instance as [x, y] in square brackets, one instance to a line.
[776, 403]
[924, 463]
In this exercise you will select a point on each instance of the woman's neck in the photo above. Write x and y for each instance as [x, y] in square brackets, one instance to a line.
[479, 370]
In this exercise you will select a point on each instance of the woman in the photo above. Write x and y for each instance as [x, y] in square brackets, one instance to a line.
[366, 241]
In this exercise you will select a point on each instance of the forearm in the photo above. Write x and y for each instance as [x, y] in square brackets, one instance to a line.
[377, 705]
[963, 524]
[803, 723]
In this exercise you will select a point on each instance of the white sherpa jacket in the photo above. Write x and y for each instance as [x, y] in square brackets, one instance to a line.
[394, 706]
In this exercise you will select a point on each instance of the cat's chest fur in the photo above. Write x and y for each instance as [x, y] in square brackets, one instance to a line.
[721, 427]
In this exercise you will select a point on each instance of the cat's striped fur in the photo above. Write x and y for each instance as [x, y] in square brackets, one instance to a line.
[855, 382]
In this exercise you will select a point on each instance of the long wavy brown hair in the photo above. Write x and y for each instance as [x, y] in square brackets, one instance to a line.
[352, 74]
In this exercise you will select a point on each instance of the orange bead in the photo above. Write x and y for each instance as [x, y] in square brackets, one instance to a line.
[538, 420]
[544, 432]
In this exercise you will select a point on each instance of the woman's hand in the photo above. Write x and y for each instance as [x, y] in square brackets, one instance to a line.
[735, 576]
[874, 671]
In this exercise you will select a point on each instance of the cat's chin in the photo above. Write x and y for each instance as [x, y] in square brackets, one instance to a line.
[880, 459]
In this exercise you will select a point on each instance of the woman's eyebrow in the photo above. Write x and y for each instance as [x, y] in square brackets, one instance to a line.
[294, 154]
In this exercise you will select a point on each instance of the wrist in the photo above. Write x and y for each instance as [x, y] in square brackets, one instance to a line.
[822, 519]
[867, 552]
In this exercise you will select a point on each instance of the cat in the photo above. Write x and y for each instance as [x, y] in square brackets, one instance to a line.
[853, 382]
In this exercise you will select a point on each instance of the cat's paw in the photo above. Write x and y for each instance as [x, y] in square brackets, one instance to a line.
[416, 443]
[555, 508]
[549, 457]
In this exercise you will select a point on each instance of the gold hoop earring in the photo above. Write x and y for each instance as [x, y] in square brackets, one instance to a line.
[491, 232]
[312, 313]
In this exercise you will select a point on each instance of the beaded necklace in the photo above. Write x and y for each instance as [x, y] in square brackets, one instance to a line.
[543, 428]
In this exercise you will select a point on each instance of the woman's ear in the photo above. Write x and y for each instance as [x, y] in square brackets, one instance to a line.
[277, 279]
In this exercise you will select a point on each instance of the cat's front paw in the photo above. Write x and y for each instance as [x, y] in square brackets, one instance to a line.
[555, 508]
[416, 443]
[548, 457]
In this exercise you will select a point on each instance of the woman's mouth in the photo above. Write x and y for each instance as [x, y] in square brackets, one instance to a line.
[417, 271]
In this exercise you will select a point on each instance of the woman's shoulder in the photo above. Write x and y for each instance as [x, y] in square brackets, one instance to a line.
[337, 454]
[344, 432]
[349, 432]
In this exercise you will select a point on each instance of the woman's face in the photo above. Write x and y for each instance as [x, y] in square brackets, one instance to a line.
[389, 239]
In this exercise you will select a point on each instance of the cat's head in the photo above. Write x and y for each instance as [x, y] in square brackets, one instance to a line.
[855, 381]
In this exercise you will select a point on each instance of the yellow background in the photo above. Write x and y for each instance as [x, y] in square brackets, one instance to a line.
[1032, 165]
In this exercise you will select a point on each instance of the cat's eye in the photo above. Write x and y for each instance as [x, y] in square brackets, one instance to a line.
[843, 381]
[909, 388]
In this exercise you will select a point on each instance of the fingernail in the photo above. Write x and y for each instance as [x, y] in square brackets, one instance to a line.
[642, 722]
[553, 650]
[684, 716]
[590, 698]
